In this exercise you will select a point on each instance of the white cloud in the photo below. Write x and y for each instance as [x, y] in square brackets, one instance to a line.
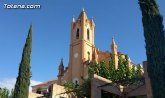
[7, 82]
[10, 83]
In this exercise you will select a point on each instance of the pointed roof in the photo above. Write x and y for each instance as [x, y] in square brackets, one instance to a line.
[61, 66]
[93, 21]
[73, 19]
[61, 63]
[83, 9]
[83, 14]
[113, 41]
[113, 45]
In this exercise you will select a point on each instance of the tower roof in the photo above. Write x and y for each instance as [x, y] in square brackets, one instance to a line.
[113, 45]
[61, 63]
[83, 14]
[113, 41]
[73, 20]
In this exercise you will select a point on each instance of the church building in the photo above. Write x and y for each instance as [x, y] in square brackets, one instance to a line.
[82, 53]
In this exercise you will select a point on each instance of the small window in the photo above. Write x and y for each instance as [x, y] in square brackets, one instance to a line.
[77, 34]
[88, 34]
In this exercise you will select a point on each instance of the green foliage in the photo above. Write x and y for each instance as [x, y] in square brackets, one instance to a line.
[126, 68]
[121, 70]
[69, 86]
[133, 70]
[121, 76]
[85, 88]
[112, 71]
[81, 91]
[155, 45]
[138, 70]
[23, 80]
[6, 93]
[103, 71]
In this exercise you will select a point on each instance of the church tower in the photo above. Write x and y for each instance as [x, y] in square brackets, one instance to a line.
[81, 45]
[61, 69]
[114, 52]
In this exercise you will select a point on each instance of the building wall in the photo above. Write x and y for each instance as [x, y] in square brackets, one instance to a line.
[139, 91]
[59, 91]
[98, 81]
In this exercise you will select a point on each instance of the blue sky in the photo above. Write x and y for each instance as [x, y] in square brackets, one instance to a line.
[51, 32]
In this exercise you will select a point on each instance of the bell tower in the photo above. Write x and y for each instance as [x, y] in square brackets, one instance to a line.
[81, 45]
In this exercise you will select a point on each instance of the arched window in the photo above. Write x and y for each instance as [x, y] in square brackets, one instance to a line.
[88, 34]
[77, 34]
[88, 55]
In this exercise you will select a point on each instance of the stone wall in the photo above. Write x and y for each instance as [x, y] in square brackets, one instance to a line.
[59, 91]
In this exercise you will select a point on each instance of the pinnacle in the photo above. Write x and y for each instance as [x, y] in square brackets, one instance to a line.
[113, 41]
[83, 9]
[83, 14]
[61, 61]
[73, 19]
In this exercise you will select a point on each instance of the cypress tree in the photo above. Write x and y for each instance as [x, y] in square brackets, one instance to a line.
[155, 45]
[21, 89]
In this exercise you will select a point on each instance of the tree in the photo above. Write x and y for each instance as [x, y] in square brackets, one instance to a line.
[103, 71]
[6, 93]
[133, 71]
[155, 45]
[120, 70]
[126, 68]
[121, 76]
[93, 69]
[11, 93]
[21, 89]
[138, 70]
[112, 71]
[123, 72]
